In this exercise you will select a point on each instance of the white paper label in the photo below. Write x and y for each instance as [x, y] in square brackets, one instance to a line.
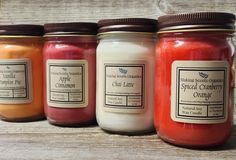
[15, 81]
[67, 83]
[199, 91]
[124, 87]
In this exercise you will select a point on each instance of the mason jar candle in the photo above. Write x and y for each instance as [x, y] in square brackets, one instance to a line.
[69, 73]
[21, 84]
[125, 75]
[193, 94]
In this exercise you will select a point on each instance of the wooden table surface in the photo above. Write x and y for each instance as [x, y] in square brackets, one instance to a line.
[42, 141]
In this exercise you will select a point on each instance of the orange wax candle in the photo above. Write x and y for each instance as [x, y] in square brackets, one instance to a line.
[193, 105]
[21, 95]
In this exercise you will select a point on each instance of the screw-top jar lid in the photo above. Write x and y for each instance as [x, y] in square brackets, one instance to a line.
[21, 30]
[198, 20]
[127, 24]
[74, 28]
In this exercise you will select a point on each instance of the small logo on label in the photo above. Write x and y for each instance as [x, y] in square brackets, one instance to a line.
[64, 69]
[203, 75]
[7, 67]
[123, 70]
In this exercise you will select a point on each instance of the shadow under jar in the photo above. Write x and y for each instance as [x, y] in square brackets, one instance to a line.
[193, 94]
[21, 86]
[125, 69]
[69, 73]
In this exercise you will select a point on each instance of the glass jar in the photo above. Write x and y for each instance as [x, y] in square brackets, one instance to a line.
[193, 94]
[21, 90]
[70, 70]
[125, 69]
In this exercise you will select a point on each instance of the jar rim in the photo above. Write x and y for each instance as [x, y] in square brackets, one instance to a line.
[152, 34]
[126, 32]
[69, 35]
[19, 36]
[196, 30]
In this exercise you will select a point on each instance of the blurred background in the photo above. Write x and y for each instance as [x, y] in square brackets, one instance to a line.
[44, 11]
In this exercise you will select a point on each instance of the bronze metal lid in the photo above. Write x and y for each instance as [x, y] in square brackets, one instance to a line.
[73, 28]
[21, 30]
[127, 24]
[198, 20]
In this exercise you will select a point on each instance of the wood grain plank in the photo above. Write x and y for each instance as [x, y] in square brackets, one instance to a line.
[180, 6]
[39, 140]
[45, 11]
[49, 11]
